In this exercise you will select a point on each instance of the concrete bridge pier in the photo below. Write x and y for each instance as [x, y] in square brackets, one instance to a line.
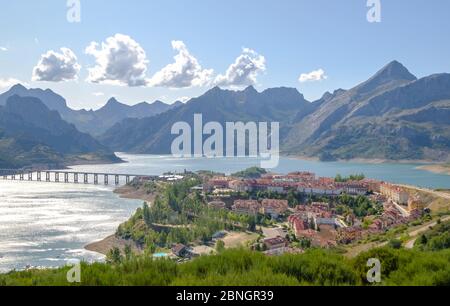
[57, 176]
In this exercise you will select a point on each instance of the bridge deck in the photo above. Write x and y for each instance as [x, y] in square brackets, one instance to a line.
[67, 176]
[18, 172]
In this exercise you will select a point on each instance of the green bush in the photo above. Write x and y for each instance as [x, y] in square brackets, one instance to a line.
[246, 268]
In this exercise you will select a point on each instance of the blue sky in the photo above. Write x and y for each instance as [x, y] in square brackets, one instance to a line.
[285, 38]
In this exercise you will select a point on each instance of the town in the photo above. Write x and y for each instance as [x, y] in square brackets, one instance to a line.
[299, 210]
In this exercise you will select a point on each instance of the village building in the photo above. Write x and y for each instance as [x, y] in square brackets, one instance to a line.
[218, 182]
[240, 186]
[298, 224]
[274, 208]
[355, 188]
[246, 207]
[319, 189]
[395, 193]
[180, 250]
[326, 221]
[321, 205]
[372, 185]
[275, 243]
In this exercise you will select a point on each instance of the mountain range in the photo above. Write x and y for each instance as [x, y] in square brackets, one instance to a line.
[89, 121]
[33, 135]
[391, 116]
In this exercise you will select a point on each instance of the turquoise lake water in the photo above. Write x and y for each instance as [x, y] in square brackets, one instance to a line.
[395, 173]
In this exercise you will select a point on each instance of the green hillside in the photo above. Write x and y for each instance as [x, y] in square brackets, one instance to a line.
[240, 267]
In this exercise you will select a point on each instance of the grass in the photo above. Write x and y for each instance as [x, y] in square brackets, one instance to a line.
[241, 267]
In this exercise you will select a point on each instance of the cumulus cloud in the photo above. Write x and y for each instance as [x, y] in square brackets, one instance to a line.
[186, 71]
[120, 60]
[316, 75]
[244, 71]
[9, 82]
[57, 67]
[4, 49]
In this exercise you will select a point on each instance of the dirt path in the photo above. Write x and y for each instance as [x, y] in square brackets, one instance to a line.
[415, 233]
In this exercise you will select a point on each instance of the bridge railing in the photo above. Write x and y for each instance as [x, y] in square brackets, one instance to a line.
[54, 176]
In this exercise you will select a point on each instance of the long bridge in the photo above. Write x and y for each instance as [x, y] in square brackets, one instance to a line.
[75, 177]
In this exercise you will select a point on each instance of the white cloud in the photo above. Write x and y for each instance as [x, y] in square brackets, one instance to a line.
[119, 61]
[186, 71]
[4, 49]
[57, 67]
[316, 75]
[9, 82]
[98, 94]
[244, 71]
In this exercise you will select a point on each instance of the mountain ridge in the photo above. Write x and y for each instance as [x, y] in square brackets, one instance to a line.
[33, 135]
[391, 116]
[94, 122]
[370, 120]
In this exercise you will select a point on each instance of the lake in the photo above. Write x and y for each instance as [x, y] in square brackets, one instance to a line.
[156, 165]
[47, 224]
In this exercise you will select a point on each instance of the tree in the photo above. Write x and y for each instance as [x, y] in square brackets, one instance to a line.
[305, 243]
[151, 247]
[147, 215]
[395, 244]
[220, 246]
[252, 224]
[312, 224]
[423, 240]
[292, 199]
[114, 256]
[128, 252]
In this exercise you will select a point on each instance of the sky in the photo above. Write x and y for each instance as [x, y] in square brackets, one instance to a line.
[177, 49]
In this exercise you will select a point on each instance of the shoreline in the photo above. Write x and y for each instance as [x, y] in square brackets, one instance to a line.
[105, 245]
[436, 168]
[130, 192]
[366, 160]
[424, 165]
